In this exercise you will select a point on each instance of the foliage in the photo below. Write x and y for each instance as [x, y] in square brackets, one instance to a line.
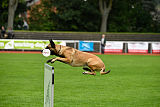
[21, 9]
[129, 16]
[84, 15]
[4, 4]
[3, 12]
[41, 16]
[77, 15]
[126, 16]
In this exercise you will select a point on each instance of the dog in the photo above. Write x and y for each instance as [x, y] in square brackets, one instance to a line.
[90, 62]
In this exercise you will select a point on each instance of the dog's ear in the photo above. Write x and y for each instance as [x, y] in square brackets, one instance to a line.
[52, 43]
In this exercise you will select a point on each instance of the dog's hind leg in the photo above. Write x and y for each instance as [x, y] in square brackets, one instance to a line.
[89, 71]
[102, 72]
[86, 69]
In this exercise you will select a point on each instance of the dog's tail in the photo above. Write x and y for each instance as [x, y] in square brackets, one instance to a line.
[102, 72]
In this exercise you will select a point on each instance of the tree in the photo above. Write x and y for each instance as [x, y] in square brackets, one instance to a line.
[41, 16]
[77, 15]
[153, 7]
[87, 15]
[20, 14]
[105, 7]
[130, 16]
[11, 12]
[3, 12]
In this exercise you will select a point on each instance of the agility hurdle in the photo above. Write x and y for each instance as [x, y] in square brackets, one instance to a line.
[48, 85]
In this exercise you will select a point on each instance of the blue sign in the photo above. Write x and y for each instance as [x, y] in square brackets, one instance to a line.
[86, 46]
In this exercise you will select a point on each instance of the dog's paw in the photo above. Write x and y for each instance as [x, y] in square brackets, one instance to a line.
[84, 73]
[49, 60]
[53, 60]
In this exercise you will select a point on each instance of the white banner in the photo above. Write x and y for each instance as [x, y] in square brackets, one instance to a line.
[26, 44]
[156, 47]
[139, 47]
[113, 47]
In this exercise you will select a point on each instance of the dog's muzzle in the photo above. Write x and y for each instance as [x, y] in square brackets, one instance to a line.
[47, 47]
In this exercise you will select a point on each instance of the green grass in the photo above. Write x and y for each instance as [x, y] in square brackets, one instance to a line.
[134, 81]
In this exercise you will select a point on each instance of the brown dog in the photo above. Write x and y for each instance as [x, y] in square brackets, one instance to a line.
[76, 58]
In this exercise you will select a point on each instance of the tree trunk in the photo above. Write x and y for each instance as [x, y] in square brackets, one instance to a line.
[104, 20]
[105, 10]
[11, 12]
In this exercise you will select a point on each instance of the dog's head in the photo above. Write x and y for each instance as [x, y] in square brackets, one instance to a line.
[52, 47]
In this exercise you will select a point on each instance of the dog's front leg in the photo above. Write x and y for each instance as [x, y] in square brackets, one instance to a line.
[50, 60]
[64, 60]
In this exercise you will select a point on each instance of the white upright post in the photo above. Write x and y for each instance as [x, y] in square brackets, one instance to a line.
[48, 86]
[52, 86]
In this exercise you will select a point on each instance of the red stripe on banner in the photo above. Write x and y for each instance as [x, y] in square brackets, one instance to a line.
[155, 51]
[137, 51]
[113, 50]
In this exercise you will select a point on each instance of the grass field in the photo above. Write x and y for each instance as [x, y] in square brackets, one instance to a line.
[134, 81]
